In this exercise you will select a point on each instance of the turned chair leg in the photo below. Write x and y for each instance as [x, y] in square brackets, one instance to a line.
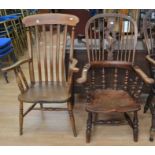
[148, 101]
[95, 117]
[89, 126]
[4, 74]
[72, 120]
[135, 126]
[41, 106]
[6, 77]
[72, 94]
[21, 118]
[152, 130]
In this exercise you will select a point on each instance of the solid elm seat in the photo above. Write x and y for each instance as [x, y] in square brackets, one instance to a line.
[106, 101]
[46, 92]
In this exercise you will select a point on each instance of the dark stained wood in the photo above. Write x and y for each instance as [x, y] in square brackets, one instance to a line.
[106, 101]
[149, 36]
[115, 37]
[113, 85]
[110, 64]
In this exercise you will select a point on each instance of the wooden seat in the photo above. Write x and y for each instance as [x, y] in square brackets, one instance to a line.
[50, 67]
[107, 101]
[55, 92]
[112, 83]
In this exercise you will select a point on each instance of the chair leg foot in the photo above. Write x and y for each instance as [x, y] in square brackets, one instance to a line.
[72, 120]
[41, 106]
[89, 126]
[21, 118]
[6, 77]
[151, 135]
[152, 130]
[135, 126]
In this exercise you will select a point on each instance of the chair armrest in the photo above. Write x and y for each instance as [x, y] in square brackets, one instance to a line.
[144, 77]
[73, 63]
[18, 63]
[84, 74]
[152, 61]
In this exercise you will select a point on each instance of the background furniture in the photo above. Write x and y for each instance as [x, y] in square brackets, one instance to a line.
[6, 54]
[50, 78]
[84, 16]
[149, 36]
[113, 84]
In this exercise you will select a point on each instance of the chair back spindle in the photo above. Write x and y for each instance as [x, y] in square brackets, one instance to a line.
[111, 37]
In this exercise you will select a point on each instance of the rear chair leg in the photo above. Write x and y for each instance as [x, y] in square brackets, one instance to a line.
[152, 130]
[21, 117]
[89, 126]
[6, 77]
[72, 120]
[135, 126]
[148, 101]
[41, 106]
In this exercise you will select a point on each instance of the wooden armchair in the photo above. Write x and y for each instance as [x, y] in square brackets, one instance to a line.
[149, 37]
[50, 76]
[113, 84]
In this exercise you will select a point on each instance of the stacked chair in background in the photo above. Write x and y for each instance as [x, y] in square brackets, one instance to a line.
[12, 35]
[6, 52]
[11, 26]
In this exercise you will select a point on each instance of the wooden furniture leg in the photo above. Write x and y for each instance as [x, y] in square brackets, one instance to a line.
[135, 126]
[89, 126]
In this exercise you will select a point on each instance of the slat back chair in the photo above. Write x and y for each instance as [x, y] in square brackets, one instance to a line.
[111, 80]
[149, 37]
[50, 45]
[50, 76]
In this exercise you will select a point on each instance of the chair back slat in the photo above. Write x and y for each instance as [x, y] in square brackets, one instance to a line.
[31, 69]
[51, 53]
[45, 51]
[50, 35]
[38, 53]
[63, 53]
[57, 52]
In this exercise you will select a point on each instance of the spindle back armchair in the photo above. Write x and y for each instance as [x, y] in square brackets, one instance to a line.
[112, 37]
[112, 83]
[149, 38]
[50, 74]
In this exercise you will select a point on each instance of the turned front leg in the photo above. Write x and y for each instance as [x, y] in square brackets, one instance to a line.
[135, 126]
[89, 126]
